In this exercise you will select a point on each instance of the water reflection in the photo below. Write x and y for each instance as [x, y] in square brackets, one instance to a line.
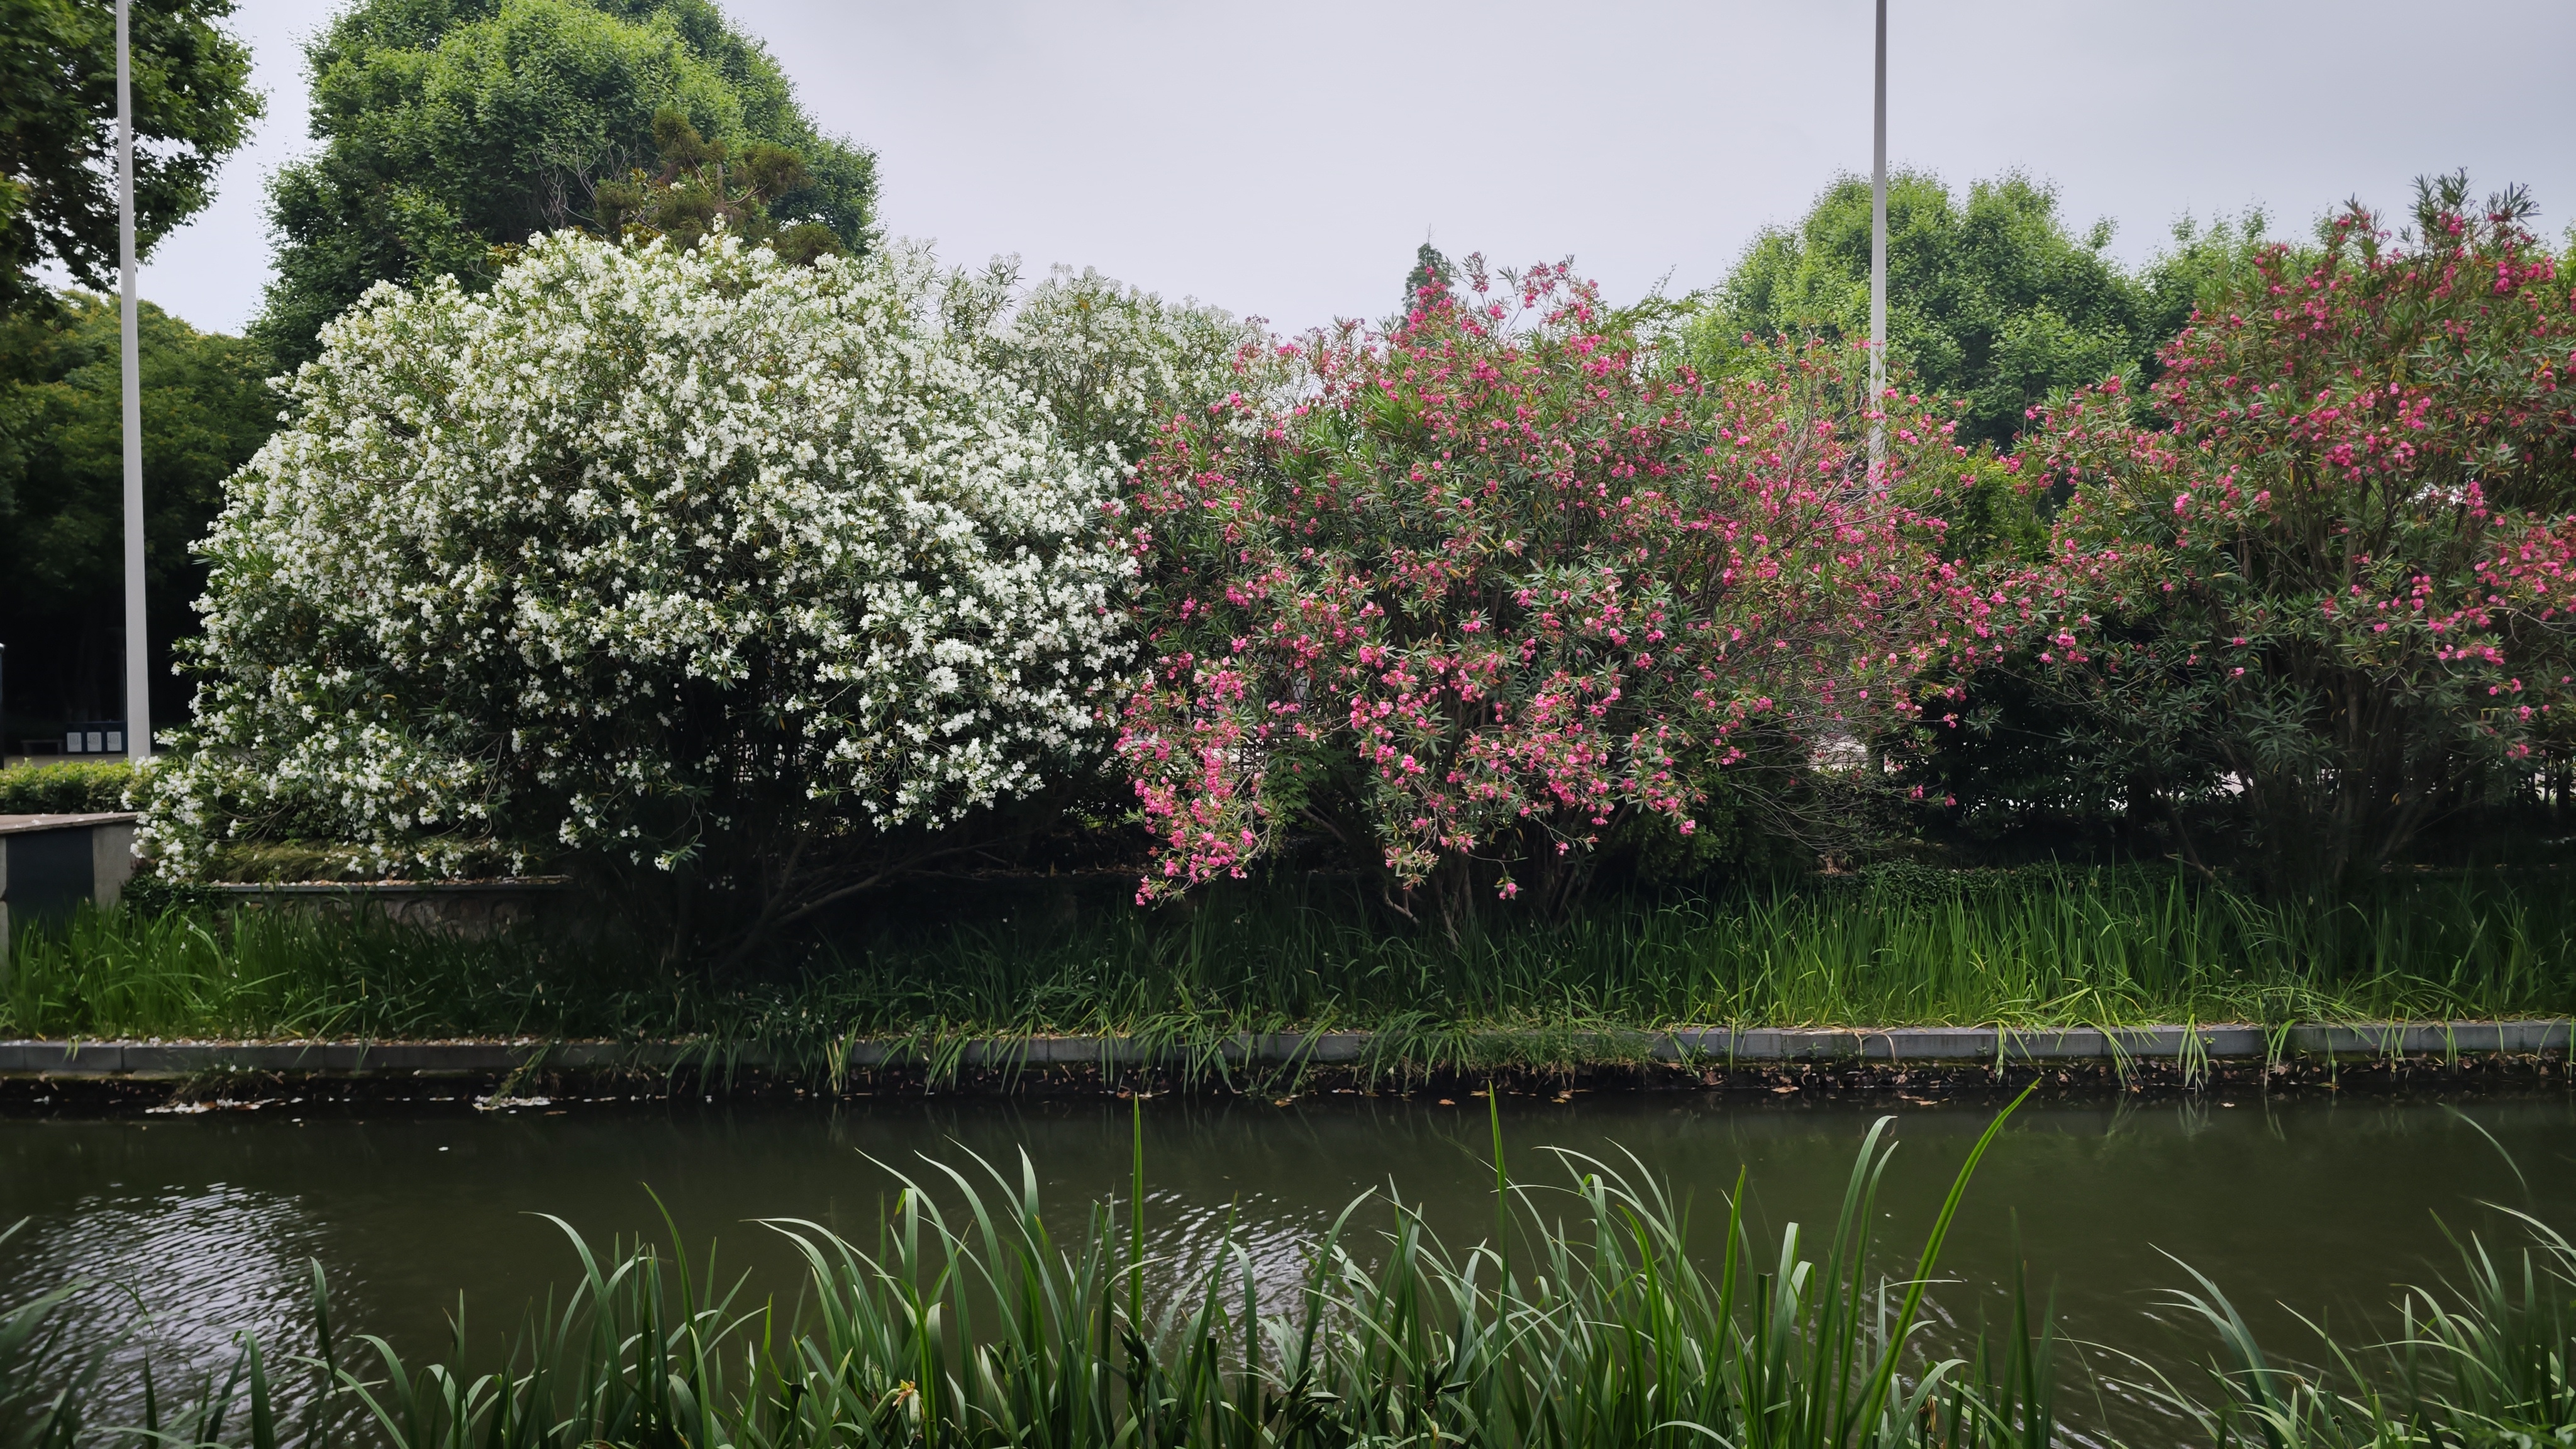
[202, 1266]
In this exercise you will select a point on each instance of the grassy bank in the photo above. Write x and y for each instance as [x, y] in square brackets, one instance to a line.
[1581, 1321]
[2025, 949]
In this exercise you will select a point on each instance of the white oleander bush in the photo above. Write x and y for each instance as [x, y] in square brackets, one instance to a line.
[695, 560]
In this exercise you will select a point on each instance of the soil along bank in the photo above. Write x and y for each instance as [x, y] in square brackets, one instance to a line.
[1752, 1058]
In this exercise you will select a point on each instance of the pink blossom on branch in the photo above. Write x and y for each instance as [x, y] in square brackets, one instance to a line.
[1517, 574]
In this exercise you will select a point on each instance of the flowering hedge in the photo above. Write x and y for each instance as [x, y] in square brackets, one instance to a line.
[2335, 555]
[698, 561]
[1518, 576]
[671, 557]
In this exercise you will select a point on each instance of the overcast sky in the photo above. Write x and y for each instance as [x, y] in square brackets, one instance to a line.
[1286, 160]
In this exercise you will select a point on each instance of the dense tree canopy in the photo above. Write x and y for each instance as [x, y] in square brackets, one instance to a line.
[192, 103]
[206, 409]
[1990, 297]
[450, 127]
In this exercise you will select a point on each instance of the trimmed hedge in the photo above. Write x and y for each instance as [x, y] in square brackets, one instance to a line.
[66, 787]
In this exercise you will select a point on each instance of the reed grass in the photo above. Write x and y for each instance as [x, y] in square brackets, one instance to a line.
[968, 1322]
[182, 973]
[1583, 1322]
[2482, 1359]
[2026, 949]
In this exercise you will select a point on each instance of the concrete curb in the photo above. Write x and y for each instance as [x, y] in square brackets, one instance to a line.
[1758, 1046]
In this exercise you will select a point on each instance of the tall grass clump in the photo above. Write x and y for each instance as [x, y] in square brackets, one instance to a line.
[2026, 949]
[1903, 946]
[294, 972]
[2487, 1357]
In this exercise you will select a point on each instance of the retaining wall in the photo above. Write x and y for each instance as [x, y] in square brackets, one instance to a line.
[463, 908]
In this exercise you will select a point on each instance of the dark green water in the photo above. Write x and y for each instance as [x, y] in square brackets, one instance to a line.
[2321, 1204]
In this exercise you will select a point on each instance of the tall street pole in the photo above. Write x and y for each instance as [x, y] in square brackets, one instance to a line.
[138, 654]
[1877, 259]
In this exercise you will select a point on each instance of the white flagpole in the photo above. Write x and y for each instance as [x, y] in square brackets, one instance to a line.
[1878, 257]
[138, 655]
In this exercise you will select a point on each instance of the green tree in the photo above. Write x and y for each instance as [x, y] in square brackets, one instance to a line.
[703, 183]
[1991, 298]
[1430, 270]
[206, 410]
[192, 103]
[451, 127]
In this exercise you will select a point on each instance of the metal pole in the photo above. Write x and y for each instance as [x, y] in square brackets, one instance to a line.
[1878, 258]
[138, 654]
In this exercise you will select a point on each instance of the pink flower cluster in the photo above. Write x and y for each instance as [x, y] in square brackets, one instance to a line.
[1506, 574]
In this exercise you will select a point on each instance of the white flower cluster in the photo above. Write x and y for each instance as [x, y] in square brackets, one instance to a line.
[643, 548]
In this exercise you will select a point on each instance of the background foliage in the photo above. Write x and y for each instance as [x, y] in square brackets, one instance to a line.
[70, 787]
[2143, 561]
[192, 105]
[206, 409]
[449, 127]
[1992, 298]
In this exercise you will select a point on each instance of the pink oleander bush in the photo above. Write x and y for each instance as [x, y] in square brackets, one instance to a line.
[1511, 576]
[2330, 561]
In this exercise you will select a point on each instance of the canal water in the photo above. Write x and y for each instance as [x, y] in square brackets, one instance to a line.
[2317, 1205]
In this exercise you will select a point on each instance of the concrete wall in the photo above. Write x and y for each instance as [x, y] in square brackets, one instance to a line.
[471, 909]
[49, 864]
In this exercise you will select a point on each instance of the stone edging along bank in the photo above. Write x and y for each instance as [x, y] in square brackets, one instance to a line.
[1711, 1046]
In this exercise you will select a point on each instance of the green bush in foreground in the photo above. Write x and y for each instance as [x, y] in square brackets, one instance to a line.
[1584, 1321]
[1900, 947]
